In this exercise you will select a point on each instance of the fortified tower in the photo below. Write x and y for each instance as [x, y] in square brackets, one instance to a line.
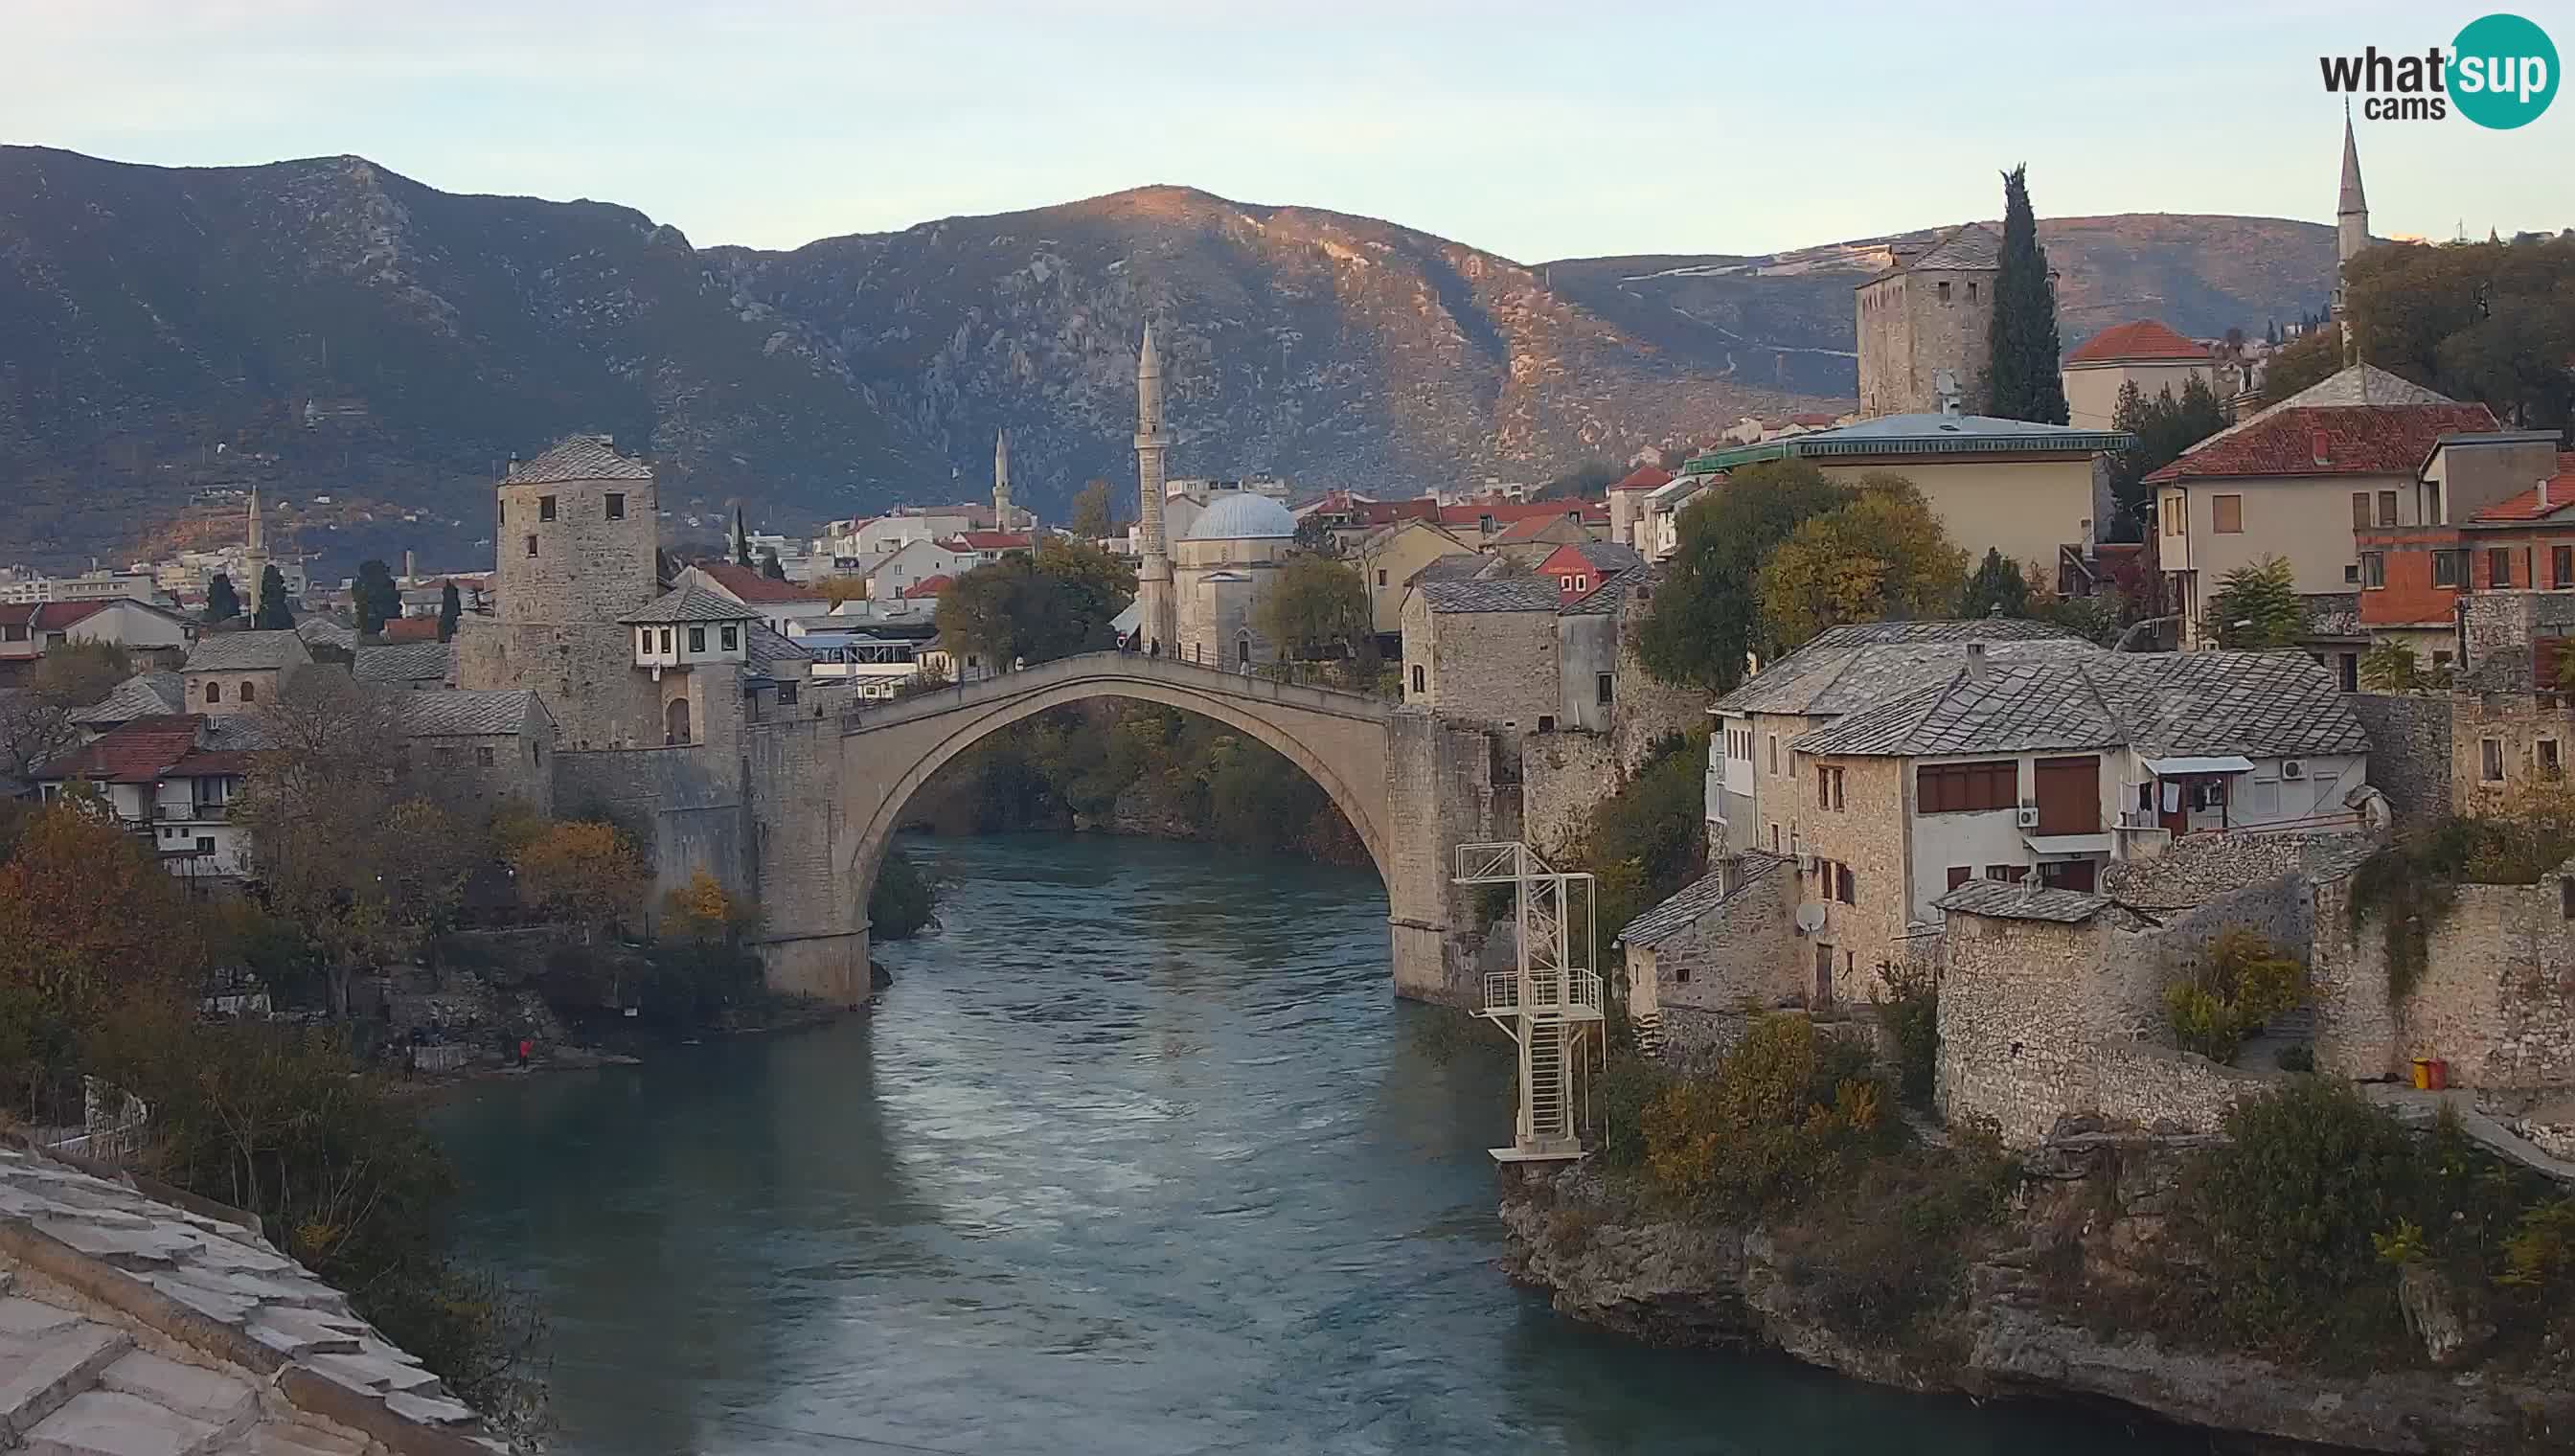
[1160, 619]
[2351, 232]
[1925, 326]
[575, 553]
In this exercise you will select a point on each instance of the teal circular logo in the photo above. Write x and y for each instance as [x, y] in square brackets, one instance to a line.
[2503, 72]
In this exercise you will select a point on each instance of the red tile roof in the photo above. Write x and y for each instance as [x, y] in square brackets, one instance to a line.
[2144, 339]
[1535, 528]
[2330, 440]
[47, 616]
[1645, 478]
[1385, 512]
[747, 587]
[988, 540]
[1506, 512]
[928, 587]
[411, 629]
[2529, 505]
[136, 751]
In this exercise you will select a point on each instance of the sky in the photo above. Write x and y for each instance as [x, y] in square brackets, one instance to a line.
[1533, 131]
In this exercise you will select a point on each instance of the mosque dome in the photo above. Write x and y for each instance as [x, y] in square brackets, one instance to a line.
[1244, 517]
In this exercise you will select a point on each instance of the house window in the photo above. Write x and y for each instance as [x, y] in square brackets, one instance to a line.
[787, 695]
[2172, 512]
[1547, 722]
[1845, 885]
[2373, 569]
[205, 844]
[1944, 292]
[1418, 678]
[532, 546]
[2387, 508]
[2007, 873]
[1828, 787]
[615, 506]
[2445, 569]
[666, 640]
[697, 639]
[1971, 291]
[214, 692]
[1774, 754]
[2440, 661]
[2549, 767]
[1380, 576]
[249, 692]
[544, 508]
[1967, 788]
[484, 756]
[1959, 874]
[2499, 567]
[2360, 511]
[2561, 567]
[2226, 514]
[732, 637]
[2351, 572]
[2490, 761]
[1604, 685]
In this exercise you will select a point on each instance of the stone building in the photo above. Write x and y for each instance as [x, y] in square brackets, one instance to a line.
[579, 540]
[482, 748]
[237, 672]
[2494, 995]
[1484, 650]
[1223, 569]
[1925, 326]
[412, 666]
[1717, 951]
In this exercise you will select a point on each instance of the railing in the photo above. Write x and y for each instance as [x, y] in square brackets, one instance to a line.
[1574, 994]
[113, 1123]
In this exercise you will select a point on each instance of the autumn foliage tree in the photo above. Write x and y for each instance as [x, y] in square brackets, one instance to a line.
[1317, 608]
[582, 870]
[1705, 617]
[1881, 558]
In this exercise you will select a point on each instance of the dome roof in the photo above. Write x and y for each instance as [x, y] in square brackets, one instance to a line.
[1242, 516]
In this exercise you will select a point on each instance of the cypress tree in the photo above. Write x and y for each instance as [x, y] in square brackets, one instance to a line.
[451, 609]
[2021, 379]
[273, 615]
[741, 539]
[223, 604]
[379, 600]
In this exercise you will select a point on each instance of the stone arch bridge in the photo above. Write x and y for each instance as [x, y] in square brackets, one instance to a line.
[826, 795]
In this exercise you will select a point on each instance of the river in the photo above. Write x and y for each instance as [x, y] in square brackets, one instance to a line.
[1138, 1155]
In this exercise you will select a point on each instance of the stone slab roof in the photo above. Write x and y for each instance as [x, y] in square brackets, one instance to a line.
[322, 631]
[580, 457]
[768, 650]
[247, 651]
[2260, 704]
[1613, 594]
[1994, 898]
[689, 603]
[411, 662]
[145, 695]
[463, 712]
[1850, 668]
[1695, 900]
[136, 1322]
[1508, 593]
[1460, 566]
[1972, 245]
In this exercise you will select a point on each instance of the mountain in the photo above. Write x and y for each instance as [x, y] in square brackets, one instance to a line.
[372, 350]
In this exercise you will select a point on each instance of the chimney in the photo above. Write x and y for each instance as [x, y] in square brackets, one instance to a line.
[2322, 447]
[1975, 662]
[2543, 493]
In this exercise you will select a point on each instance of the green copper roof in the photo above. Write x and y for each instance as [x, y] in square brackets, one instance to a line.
[1924, 435]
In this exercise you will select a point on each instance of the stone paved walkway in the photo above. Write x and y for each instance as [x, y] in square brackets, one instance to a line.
[132, 1326]
[2419, 1106]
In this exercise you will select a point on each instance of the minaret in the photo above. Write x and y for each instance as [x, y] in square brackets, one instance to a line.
[1003, 513]
[254, 558]
[2351, 229]
[1160, 622]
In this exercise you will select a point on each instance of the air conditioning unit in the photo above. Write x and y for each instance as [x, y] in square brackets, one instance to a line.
[2293, 769]
[2028, 818]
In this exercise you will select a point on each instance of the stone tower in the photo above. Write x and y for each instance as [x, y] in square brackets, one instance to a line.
[1160, 619]
[577, 546]
[1925, 326]
[254, 558]
[2351, 229]
[1005, 515]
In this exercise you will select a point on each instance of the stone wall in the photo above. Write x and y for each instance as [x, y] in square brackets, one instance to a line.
[2167, 1089]
[2409, 748]
[683, 803]
[1562, 775]
[2496, 997]
[1482, 667]
[1648, 710]
[1447, 786]
[813, 892]
[2517, 724]
[584, 672]
[1867, 834]
[1740, 956]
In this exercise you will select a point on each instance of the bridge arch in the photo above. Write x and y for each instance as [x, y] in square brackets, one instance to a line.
[1338, 740]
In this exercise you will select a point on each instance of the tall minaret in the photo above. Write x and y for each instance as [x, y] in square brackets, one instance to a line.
[254, 558]
[1161, 622]
[2351, 229]
[1003, 514]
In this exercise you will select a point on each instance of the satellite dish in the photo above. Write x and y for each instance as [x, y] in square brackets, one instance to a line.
[1810, 918]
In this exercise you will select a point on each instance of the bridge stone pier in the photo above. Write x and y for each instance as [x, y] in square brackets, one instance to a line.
[827, 793]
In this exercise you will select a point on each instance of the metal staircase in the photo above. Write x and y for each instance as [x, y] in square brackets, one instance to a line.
[1551, 1001]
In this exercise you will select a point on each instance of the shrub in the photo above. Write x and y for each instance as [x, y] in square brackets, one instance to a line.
[1769, 1126]
[1625, 1089]
[1910, 1013]
[2413, 879]
[903, 903]
[2240, 985]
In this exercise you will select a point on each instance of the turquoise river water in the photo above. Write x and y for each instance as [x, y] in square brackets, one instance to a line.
[1138, 1155]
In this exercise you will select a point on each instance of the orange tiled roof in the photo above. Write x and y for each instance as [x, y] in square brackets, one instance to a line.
[2141, 339]
[747, 585]
[2328, 439]
[2537, 503]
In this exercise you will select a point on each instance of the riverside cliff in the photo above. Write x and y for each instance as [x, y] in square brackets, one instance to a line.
[2047, 1302]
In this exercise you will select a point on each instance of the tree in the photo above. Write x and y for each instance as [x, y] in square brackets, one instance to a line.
[2391, 667]
[2309, 359]
[837, 589]
[1095, 512]
[32, 730]
[1316, 608]
[1881, 558]
[770, 567]
[317, 802]
[2258, 607]
[2491, 321]
[1035, 607]
[451, 611]
[2021, 376]
[1704, 619]
[1997, 588]
[379, 600]
[581, 871]
[741, 539]
[1314, 535]
[2164, 427]
[272, 613]
[223, 604]
[77, 674]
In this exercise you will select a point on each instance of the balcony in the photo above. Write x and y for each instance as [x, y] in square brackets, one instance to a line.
[1564, 995]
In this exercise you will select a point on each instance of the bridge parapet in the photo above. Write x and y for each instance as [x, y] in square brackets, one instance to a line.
[1117, 666]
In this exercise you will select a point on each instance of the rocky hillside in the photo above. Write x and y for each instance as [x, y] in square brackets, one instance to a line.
[332, 328]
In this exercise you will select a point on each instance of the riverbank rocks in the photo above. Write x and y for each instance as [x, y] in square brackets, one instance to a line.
[2088, 1222]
